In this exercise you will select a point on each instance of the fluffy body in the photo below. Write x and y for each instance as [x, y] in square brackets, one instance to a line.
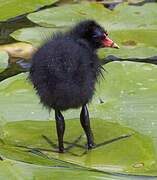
[64, 71]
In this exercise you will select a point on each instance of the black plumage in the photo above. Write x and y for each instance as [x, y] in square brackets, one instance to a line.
[64, 71]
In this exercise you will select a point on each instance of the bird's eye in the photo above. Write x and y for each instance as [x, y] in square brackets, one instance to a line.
[106, 33]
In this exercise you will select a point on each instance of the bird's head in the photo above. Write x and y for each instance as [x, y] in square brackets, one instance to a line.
[94, 34]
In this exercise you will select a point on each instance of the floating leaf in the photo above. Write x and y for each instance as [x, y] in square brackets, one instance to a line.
[18, 98]
[67, 15]
[118, 149]
[123, 17]
[127, 96]
[34, 35]
[20, 170]
[133, 17]
[133, 44]
[10, 9]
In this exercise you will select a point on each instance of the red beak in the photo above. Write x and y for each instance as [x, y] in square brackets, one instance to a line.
[107, 42]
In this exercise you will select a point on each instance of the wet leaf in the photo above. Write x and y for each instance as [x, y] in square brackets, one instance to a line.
[127, 96]
[34, 35]
[129, 93]
[133, 17]
[20, 170]
[10, 9]
[18, 98]
[27, 141]
[67, 15]
[133, 44]
[123, 17]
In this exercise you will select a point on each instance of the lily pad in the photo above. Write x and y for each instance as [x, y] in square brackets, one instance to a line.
[19, 7]
[19, 91]
[133, 17]
[3, 60]
[34, 35]
[127, 96]
[20, 170]
[25, 139]
[67, 15]
[133, 44]
[123, 16]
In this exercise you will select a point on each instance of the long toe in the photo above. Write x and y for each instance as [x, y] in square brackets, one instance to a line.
[90, 145]
[61, 150]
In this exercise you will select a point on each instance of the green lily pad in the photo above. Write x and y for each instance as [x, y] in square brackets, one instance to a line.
[12, 8]
[123, 17]
[3, 60]
[133, 17]
[127, 96]
[112, 153]
[19, 170]
[19, 91]
[67, 15]
[34, 35]
[133, 44]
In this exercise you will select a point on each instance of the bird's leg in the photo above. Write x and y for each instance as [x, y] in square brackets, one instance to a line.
[60, 126]
[85, 122]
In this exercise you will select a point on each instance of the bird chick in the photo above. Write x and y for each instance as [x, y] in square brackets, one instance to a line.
[64, 71]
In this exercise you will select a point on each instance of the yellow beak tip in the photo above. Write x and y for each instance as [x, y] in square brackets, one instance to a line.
[115, 46]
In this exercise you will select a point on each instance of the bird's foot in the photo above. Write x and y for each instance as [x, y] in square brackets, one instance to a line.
[61, 150]
[90, 145]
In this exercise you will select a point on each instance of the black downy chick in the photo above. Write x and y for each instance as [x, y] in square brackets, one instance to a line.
[64, 72]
